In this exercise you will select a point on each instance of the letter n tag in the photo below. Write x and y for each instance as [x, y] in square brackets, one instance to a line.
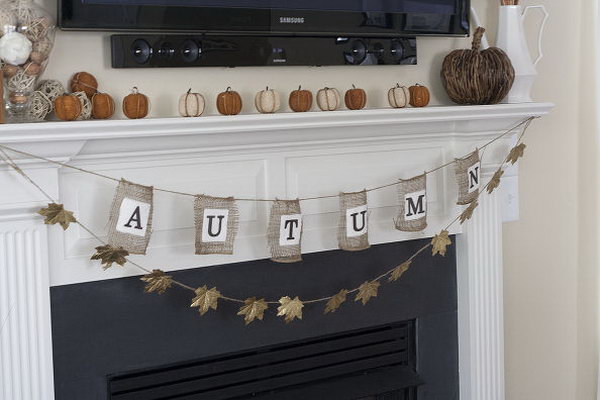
[353, 231]
[216, 224]
[285, 231]
[130, 219]
[412, 194]
[468, 178]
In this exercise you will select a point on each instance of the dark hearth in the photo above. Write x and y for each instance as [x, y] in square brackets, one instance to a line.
[112, 341]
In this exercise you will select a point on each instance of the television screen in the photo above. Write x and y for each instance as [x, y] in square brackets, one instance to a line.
[297, 17]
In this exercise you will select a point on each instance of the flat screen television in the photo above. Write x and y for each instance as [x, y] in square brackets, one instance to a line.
[383, 18]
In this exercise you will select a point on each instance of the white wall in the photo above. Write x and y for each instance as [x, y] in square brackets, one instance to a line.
[551, 261]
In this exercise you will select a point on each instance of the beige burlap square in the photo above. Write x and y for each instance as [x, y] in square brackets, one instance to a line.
[412, 194]
[216, 220]
[285, 236]
[468, 177]
[353, 231]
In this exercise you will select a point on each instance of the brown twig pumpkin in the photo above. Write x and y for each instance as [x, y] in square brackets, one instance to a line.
[477, 76]
[84, 82]
[67, 107]
[301, 100]
[229, 102]
[419, 95]
[135, 105]
[355, 98]
[103, 106]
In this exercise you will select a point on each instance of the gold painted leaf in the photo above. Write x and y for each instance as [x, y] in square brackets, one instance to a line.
[206, 299]
[495, 181]
[516, 153]
[56, 214]
[290, 308]
[253, 309]
[109, 255]
[366, 291]
[336, 301]
[467, 214]
[440, 242]
[400, 270]
[157, 281]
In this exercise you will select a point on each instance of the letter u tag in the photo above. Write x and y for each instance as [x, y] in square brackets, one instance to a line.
[216, 224]
[353, 230]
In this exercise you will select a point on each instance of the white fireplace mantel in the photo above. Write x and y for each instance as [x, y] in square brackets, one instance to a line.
[280, 155]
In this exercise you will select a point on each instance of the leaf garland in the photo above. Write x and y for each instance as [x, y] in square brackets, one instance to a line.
[253, 309]
[290, 308]
[56, 214]
[399, 271]
[494, 183]
[367, 290]
[157, 281]
[440, 242]
[516, 153]
[467, 214]
[109, 255]
[206, 299]
[336, 301]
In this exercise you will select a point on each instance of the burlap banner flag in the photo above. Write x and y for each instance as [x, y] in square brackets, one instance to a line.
[216, 224]
[285, 231]
[353, 232]
[130, 218]
[468, 177]
[412, 194]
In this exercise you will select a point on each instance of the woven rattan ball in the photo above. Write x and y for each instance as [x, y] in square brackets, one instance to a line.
[40, 107]
[51, 88]
[21, 82]
[86, 106]
[43, 47]
[477, 77]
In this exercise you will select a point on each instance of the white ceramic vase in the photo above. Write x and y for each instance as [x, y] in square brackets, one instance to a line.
[511, 39]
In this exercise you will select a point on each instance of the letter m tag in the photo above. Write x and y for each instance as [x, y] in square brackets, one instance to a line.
[216, 224]
[130, 219]
[412, 194]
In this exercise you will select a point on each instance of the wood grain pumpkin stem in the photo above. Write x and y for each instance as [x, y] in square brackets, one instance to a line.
[477, 38]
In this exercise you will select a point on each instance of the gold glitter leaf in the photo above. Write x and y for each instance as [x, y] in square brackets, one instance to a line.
[366, 291]
[467, 214]
[206, 299]
[157, 281]
[495, 182]
[336, 301]
[56, 214]
[253, 309]
[290, 308]
[516, 153]
[440, 242]
[400, 270]
[109, 255]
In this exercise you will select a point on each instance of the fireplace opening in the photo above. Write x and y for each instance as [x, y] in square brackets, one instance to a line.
[378, 363]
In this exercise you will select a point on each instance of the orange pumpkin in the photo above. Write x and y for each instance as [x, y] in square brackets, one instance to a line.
[84, 82]
[136, 105]
[67, 107]
[103, 106]
[229, 102]
[301, 100]
[355, 99]
[419, 96]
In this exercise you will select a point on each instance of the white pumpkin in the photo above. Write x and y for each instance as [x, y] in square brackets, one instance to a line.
[267, 101]
[399, 96]
[191, 104]
[328, 99]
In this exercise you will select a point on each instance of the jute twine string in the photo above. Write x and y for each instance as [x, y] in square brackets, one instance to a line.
[384, 275]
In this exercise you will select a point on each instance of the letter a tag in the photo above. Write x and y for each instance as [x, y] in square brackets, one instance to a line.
[130, 218]
[353, 230]
[285, 231]
[216, 221]
[412, 195]
[468, 178]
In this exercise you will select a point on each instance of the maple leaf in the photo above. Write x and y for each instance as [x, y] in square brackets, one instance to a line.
[206, 299]
[367, 290]
[253, 309]
[495, 181]
[336, 301]
[516, 153]
[56, 214]
[400, 270]
[467, 214]
[157, 281]
[109, 255]
[440, 242]
[290, 308]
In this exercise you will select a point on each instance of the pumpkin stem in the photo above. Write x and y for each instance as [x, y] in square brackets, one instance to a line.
[189, 91]
[353, 87]
[477, 38]
[397, 85]
[267, 89]
[134, 90]
[300, 87]
[228, 89]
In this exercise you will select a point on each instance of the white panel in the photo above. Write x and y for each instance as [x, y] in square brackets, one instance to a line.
[25, 334]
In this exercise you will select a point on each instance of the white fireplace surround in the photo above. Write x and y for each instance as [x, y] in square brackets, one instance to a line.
[281, 155]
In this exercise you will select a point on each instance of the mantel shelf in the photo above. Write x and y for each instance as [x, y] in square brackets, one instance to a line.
[415, 119]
